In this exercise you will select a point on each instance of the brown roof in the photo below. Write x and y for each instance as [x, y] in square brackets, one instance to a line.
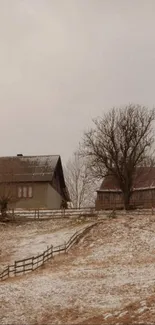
[28, 168]
[144, 178]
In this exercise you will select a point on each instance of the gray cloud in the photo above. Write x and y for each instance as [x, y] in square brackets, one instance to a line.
[63, 62]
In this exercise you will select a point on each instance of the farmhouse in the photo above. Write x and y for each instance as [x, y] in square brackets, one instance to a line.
[33, 181]
[109, 196]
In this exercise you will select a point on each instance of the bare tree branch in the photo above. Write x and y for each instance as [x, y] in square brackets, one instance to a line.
[80, 185]
[118, 143]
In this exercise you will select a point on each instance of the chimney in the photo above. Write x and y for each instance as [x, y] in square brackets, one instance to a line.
[19, 155]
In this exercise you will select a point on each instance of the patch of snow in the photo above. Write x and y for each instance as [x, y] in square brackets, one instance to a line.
[143, 303]
[141, 310]
[107, 316]
[123, 313]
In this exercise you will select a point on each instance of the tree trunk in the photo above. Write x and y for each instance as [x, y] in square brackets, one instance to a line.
[4, 210]
[126, 199]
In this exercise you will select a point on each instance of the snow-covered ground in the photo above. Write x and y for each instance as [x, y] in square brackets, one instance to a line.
[21, 241]
[108, 278]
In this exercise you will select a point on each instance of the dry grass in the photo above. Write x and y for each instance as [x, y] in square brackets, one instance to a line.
[107, 278]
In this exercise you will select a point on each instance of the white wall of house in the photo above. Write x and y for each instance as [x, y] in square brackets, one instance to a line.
[54, 199]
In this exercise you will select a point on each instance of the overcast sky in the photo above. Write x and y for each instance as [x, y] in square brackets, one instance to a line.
[62, 62]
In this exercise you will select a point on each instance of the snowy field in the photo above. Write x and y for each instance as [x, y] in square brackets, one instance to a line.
[108, 278]
[27, 239]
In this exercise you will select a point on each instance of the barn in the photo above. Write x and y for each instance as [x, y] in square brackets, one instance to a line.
[109, 195]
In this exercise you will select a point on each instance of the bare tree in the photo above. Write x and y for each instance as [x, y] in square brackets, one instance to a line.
[79, 183]
[120, 140]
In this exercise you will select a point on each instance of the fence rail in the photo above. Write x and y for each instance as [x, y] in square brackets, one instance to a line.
[48, 214]
[30, 264]
[41, 214]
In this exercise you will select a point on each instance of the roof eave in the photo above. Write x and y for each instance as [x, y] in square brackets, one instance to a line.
[133, 190]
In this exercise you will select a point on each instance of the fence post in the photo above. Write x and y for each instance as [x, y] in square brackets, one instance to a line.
[43, 257]
[68, 245]
[13, 214]
[24, 266]
[52, 256]
[14, 267]
[8, 271]
[32, 263]
[51, 251]
[47, 252]
[37, 260]
[38, 213]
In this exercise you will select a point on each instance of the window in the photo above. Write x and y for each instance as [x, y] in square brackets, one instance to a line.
[30, 191]
[19, 192]
[24, 192]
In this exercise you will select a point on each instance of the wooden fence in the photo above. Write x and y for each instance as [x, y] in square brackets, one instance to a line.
[49, 214]
[41, 214]
[33, 263]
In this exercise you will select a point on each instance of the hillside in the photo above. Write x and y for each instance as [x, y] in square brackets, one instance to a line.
[107, 278]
